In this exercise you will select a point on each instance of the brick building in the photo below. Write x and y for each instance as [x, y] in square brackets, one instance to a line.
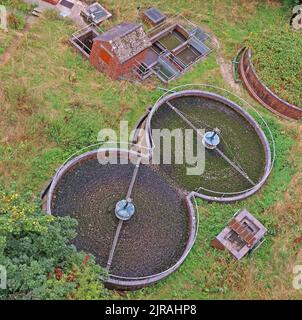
[118, 50]
[166, 52]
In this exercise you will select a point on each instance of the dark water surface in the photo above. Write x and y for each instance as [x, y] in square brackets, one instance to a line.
[150, 242]
[239, 142]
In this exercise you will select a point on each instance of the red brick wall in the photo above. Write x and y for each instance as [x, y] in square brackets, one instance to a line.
[54, 2]
[263, 94]
[111, 65]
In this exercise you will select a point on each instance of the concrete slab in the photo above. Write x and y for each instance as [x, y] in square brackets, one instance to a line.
[73, 13]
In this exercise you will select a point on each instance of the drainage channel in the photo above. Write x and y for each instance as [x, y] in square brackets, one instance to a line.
[218, 151]
[126, 202]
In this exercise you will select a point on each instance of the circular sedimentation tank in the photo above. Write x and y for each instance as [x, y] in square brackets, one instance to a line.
[137, 252]
[137, 218]
[235, 166]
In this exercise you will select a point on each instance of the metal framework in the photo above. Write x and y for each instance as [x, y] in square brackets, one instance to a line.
[76, 38]
[169, 66]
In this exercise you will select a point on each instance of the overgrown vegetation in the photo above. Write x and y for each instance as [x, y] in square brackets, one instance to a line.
[277, 59]
[53, 104]
[39, 261]
[17, 5]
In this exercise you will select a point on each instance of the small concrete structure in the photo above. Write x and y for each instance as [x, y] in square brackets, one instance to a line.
[153, 16]
[296, 19]
[68, 8]
[95, 13]
[243, 234]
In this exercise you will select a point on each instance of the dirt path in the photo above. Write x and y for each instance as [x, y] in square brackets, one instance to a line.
[9, 52]
[226, 69]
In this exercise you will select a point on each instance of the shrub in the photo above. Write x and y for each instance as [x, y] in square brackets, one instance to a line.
[277, 59]
[16, 20]
[40, 262]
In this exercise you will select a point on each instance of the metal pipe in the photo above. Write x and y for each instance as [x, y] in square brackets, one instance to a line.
[120, 224]
[115, 240]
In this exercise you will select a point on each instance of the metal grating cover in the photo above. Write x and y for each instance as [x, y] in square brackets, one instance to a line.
[96, 13]
[200, 34]
[199, 46]
[154, 15]
[67, 4]
[242, 234]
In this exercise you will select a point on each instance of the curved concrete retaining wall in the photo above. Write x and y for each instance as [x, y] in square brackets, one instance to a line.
[262, 93]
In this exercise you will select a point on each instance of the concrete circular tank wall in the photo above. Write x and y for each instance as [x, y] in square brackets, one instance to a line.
[217, 98]
[148, 248]
[262, 93]
[69, 194]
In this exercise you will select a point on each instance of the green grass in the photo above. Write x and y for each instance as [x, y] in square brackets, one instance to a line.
[5, 40]
[19, 10]
[17, 5]
[54, 103]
